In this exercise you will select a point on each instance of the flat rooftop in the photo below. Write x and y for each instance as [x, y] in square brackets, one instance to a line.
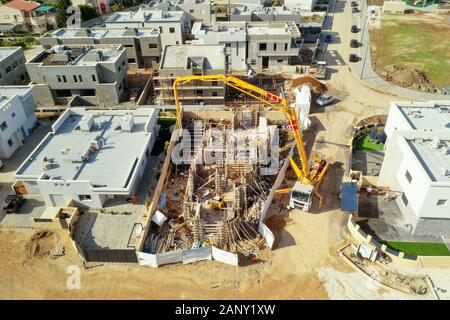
[431, 154]
[268, 29]
[426, 115]
[7, 51]
[207, 57]
[80, 55]
[7, 92]
[70, 154]
[145, 14]
[98, 33]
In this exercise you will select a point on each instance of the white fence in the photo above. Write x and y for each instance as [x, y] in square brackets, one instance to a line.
[187, 256]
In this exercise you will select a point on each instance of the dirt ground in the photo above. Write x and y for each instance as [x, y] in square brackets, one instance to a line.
[412, 48]
[285, 273]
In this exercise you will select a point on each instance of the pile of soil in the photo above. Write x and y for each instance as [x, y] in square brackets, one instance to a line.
[278, 222]
[41, 243]
[402, 76]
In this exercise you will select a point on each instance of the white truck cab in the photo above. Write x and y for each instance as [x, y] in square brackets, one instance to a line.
[301, 196]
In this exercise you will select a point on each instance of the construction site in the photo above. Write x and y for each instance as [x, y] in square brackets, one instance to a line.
[232, 163]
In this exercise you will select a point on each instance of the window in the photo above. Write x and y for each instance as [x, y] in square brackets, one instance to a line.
[123, 63]
[408, 176]
[120, 67]
[441, 202]
[172, 30]
[280, 61]
[405, 200]
[191, 10]
[75, 78]
[152, 45]
[285, 47]
[93, 78]
[3, 126]
[13, 114]
[199, 92]
[214, 94]
[14, 64]
[63, 93]
[84, 197]
[262, 46]
[59, 78]
[274, 47]
[0, 75]
[87, 92]
[80, 78]
[177, 42]
[253, 62]
[64, 78]
[8, 69]
[10, 143]
[160, 30]
[228, 45]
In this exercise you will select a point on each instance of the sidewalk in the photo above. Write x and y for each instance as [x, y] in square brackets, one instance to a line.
[363, 68]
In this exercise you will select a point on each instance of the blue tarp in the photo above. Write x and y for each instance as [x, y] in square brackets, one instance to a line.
[349, 197]
[45, 8]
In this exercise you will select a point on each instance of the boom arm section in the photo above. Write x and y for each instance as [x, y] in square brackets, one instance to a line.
[264, 96]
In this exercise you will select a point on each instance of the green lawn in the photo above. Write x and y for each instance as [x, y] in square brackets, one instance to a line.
[414, 41]
[364, 143]
[420, 249]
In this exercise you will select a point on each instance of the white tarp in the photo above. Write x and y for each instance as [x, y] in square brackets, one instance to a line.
[159, 218]
[267, 234]
[225, 257]
[147, 259]
[169, 257]
[195, 255]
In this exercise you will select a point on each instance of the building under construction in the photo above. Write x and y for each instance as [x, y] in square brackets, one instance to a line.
[223, 203]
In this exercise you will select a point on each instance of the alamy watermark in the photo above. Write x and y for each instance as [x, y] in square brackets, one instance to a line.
[228, 146]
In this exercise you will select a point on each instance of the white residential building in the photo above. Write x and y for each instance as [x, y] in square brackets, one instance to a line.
[303, 5]
[174, 26]
[416, 166]
[90, 156]
[196, 10]
[231, 34]
[259, 45]
[17, 117]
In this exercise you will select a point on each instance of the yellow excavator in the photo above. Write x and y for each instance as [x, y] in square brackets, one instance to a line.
[309, 177]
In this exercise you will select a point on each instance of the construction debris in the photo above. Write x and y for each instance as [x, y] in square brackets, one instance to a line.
[218, 204]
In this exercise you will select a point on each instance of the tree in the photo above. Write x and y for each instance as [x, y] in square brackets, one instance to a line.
[61, 12]
[87, 12]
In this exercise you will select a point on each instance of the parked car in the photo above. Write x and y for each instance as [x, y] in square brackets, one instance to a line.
[13, 203]
[353, 58]
[354, 43]
[324, 100]
[354, 29]
[328, 38]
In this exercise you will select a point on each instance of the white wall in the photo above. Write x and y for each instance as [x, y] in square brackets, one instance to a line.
[13, 131]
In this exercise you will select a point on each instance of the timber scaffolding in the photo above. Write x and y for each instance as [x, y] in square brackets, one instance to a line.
[219, 204]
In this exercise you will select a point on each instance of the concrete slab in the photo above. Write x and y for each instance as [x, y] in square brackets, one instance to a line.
[384, 221]
[369, 162]
[111, 227]
[33, 207]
